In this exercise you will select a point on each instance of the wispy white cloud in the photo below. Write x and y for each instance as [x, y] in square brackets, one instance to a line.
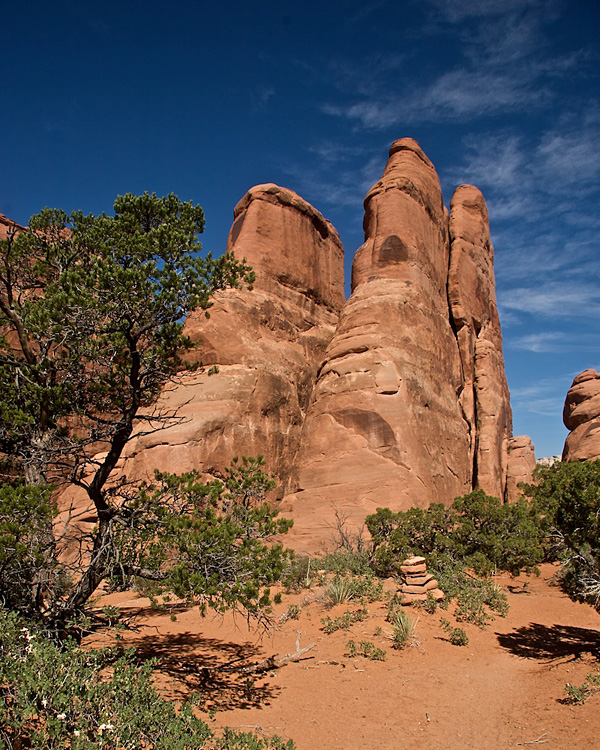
[554, 299]
[539, 342]
[555, 342]
[336, 185]
[545, 396]
[506, 67]
[458, 10]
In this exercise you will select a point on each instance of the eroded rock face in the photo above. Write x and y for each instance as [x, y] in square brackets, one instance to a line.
[394, 398]
[7, 226]
[484, 397]
[266, 343]
[521, 463]
[385, 427]
[411, 405]
[581, 415]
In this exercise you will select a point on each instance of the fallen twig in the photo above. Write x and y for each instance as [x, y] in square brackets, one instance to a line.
[274, 662]
[539, 740]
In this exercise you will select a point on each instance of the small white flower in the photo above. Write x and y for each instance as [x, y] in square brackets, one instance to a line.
[102, 727]
[77, 733]
[44, 703]
[62, 717]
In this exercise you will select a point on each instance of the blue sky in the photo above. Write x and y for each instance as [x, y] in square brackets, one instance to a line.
[206, 100]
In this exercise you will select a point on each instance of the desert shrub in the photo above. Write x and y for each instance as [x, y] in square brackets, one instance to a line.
[365, 648]
[567, 498]
[456, 636]
[301, 573]
[478, 531]
[343, 588]
[339, 590]
[66, 697]
[347, 561]
[293, 612]
[431, 604]
[28, 570]
[345, 621]
[476, 599]
[396, 536]
[403, 627]
[580, 693]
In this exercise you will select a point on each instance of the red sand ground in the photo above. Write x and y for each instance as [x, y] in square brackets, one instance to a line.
[503, 690]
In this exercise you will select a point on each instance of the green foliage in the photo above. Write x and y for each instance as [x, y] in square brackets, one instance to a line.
[66, 697]
[578, 694]
[300, 573]
[431, 604]
[343, 588]
[403, 627]
[456, 636]
[347, 561]
[365, 648]
[293, 612]
[93, 308]
[567, 497]
[28, 572]
[345, 621]
[477, 531]
[476, 599]
[396, 536]
[203, 542]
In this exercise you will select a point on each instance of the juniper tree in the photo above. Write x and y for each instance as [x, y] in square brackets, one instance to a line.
[92, 312]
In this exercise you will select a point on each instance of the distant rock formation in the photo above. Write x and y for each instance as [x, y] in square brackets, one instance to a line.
[266, 343]
[7, 226]
[547, 461]
[411, 405]
[484, 397]
[396, 397]
[581, 415]
[385, 427]
[521, 463]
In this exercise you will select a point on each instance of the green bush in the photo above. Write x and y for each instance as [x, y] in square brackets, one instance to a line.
[478, 531]
[580, 693]
[345, 621]
[347, 561]
[567, 498]
[456, 636]
[300, 573]
[343, 588]
[66, 697]
[403, 627]
[365, 648]
[28, 570]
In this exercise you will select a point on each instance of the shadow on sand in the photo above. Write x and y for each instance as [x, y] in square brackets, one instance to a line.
[209, 668]
[549, 643]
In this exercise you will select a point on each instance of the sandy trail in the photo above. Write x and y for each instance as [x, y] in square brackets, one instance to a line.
[502, 690]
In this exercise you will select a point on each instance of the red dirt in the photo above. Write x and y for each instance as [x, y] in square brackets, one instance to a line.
[502, 690]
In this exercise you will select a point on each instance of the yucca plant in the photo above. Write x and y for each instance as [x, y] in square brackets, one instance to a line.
[403, 628]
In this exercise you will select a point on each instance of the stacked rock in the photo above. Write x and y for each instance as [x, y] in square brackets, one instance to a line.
[418, 583]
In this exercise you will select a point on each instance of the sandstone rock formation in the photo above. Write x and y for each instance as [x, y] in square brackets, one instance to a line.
[266, 343]
[411, 405]
[521, 463]
[395, 398]
[7, 226]
[484, 398]
[581, 415]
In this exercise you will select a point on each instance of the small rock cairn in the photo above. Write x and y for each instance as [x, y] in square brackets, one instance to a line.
[418, 582]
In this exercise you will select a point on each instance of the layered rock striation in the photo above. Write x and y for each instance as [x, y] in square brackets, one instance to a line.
[581, 415]
[484, 396]
[396, 397]
[411, 405]
[266, 344]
